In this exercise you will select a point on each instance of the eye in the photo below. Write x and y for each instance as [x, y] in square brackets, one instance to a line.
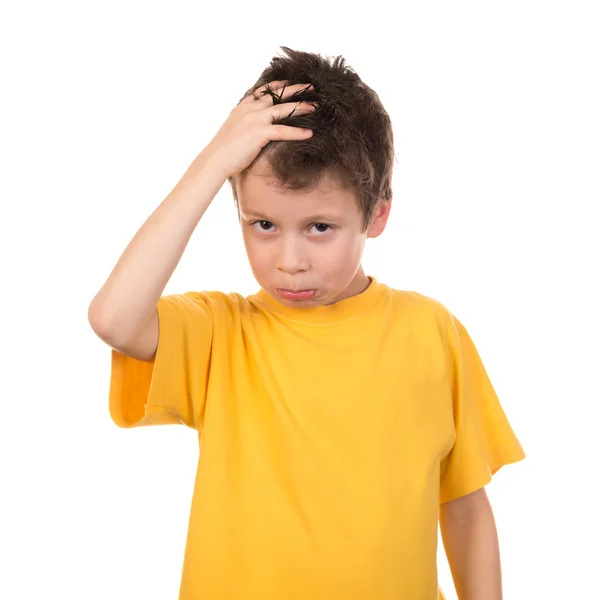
[265, 225]
[323, 227]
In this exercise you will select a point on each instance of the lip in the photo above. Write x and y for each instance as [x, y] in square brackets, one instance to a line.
[296, 294]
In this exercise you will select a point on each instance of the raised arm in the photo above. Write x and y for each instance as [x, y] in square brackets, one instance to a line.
[123, 313]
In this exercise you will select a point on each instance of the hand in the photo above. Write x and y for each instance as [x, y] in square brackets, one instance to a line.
[250, 127]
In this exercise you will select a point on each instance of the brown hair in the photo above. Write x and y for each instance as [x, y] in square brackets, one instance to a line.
[353, 137]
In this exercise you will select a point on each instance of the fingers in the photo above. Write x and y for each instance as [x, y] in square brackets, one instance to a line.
[274, 85]
[287, 132]
[287, 109]
[267, 113]
[279, 86]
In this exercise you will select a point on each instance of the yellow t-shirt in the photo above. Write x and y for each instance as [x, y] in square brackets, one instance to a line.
[328, 436]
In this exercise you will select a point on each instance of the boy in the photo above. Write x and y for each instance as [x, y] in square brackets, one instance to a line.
[338, 419]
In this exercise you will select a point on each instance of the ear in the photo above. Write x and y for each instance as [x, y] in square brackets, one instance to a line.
[378, 223]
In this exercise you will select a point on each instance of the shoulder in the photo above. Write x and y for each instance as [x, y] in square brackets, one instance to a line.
[218, 304]
[422, 305]
[426, 316]
[212, 298]
[452, 328]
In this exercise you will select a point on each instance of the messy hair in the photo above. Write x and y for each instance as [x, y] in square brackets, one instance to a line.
[353, 137]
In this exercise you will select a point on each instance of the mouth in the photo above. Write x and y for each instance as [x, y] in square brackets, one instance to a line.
[296, 294]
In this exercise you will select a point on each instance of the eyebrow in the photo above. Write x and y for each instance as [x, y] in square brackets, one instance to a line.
[318, 218]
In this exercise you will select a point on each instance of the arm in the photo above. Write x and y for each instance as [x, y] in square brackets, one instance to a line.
[470, 540]
[127, 301]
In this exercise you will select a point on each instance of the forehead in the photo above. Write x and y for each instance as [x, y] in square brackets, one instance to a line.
[258, 192]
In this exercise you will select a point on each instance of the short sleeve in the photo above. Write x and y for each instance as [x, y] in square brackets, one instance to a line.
[485, 440]
[170, 389]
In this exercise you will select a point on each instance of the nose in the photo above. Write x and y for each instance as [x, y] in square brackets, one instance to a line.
[292, 257]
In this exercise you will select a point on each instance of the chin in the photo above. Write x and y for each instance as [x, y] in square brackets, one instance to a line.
[309, 302]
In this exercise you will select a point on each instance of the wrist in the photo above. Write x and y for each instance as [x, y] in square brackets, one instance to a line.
[207, 164]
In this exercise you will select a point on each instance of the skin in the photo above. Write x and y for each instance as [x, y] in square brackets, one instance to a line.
[305, 239]
[470, 539]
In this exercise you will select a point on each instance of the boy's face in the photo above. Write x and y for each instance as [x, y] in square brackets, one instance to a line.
[304, 240]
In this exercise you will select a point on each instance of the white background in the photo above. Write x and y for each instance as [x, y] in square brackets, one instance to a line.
[104, 106]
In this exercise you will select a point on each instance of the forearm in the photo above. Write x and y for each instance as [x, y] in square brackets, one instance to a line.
[130, 295]
[472, 549]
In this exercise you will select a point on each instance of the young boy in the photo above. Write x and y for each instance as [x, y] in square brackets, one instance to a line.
[339, 419]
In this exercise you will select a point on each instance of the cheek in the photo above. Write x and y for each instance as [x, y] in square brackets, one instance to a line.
[257, 253]
[345, 249]
[337, 259]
